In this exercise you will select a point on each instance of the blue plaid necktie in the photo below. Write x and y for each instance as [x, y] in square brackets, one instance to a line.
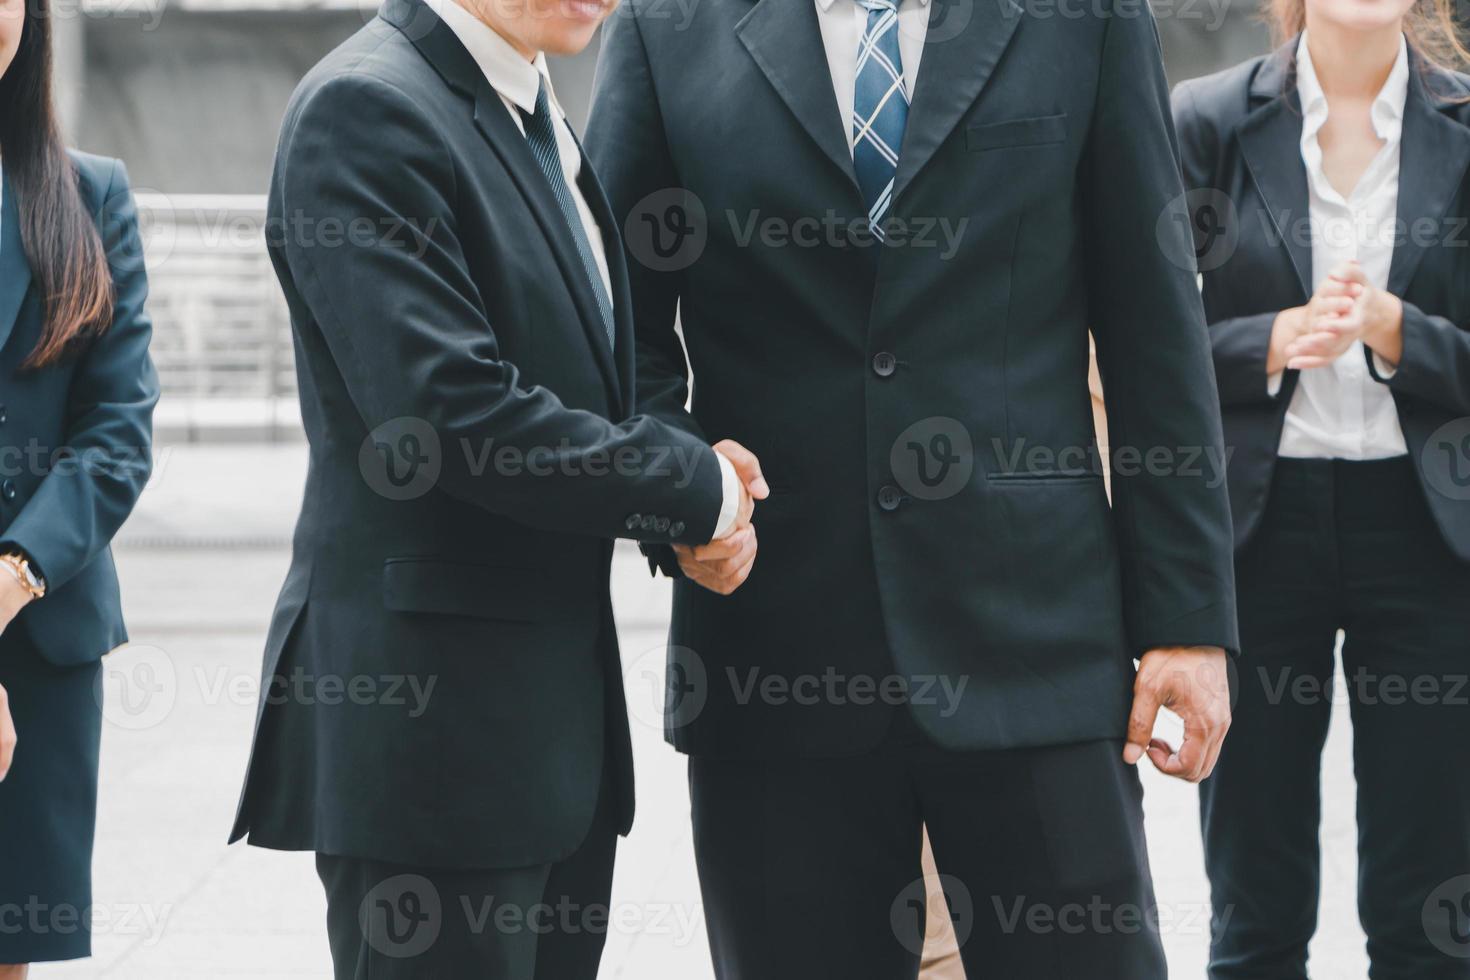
[880, 109]
[541, 135]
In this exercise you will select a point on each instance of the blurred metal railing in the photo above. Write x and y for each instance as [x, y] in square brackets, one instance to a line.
[222, 338]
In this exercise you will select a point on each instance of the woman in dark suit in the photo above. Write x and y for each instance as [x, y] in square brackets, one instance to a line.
[1330, 195]
[78, 391]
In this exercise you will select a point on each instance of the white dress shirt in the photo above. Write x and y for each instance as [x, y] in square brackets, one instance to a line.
[1341, 411]
[843, 23]
[517, 81]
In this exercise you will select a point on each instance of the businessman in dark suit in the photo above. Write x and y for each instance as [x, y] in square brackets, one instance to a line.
[887, 229]
[442, 720]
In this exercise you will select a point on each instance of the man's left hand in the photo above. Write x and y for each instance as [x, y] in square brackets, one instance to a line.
[1194, 683]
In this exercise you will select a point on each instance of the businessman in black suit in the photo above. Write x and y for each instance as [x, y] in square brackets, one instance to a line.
[442, 720]
[887, 229]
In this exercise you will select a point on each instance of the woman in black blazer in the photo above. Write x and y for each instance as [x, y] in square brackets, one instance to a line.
[77, 391]
[1329, 193]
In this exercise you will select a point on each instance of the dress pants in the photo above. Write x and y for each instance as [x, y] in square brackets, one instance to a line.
[544, 922]
[1346, 546]
[811, 867]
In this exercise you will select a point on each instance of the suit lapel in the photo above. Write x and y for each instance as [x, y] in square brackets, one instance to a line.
[785, 39]
[617, 271]
[15, 269]
[1270, 141]
[954, 70]
[438, 44]
[500, 131]
[1434, 154]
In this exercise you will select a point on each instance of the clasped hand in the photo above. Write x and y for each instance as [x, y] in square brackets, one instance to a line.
[724, 564]
[1346, 308]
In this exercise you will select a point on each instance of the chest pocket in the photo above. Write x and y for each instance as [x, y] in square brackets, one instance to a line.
[1035, 131]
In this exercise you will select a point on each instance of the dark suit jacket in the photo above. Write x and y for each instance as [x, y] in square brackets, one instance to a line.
[1240, 135]
[889, 390]
[75, 438]
[460, 310]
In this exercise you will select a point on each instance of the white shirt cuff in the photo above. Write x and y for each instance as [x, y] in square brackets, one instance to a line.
[730, 506]
[1273, 383]
[1385, 370]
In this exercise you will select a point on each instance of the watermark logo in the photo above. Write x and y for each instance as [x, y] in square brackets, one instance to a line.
[668, 687]
[401, 917]
[1447, 917]
[138, 687]
[933, 459]
[401, 459]
[157, 231]
[1446, 459]
[952, 18]
[668, 230]
[909, 917]
[1208, 218]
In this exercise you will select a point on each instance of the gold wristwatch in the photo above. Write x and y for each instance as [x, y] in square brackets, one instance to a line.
[20, 567]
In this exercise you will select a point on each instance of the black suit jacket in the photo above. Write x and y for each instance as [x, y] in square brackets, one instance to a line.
[1240, 135]
[454, 335]
[75, 438]
[922, 410]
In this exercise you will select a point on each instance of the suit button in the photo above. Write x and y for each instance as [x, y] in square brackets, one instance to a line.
[889, 497]
[4, 415]
[633, 521]
[647, 522]
[7, 489]
[676, 529]
[884, 364]
[661, 525]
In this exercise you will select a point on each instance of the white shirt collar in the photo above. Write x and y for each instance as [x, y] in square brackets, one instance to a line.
[510, 74]
[826, 5]
[1388, 106]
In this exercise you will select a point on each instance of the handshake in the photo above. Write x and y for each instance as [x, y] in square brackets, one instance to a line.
[724, 564]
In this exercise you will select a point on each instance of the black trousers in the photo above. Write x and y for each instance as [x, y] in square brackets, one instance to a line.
[545, 922]
[1346, 546]
[812, 867]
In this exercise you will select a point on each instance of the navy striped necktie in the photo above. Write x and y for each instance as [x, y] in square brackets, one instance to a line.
[541, 135]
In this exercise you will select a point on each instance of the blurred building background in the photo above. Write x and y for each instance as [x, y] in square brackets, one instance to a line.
[190, 94]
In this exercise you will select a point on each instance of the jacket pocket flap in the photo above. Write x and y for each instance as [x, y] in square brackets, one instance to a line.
[1017, 132]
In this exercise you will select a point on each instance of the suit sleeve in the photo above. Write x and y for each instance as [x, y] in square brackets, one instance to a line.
[407, 328]
[1240, 345]
[627, 145]
[1435, 364]
[97, 476]
[1153, 349]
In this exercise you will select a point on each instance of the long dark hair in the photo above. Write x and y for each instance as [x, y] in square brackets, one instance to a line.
[68, 262]
[1431, 27]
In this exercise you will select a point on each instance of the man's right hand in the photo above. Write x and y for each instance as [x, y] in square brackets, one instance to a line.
[723, 565]
[7, 736]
